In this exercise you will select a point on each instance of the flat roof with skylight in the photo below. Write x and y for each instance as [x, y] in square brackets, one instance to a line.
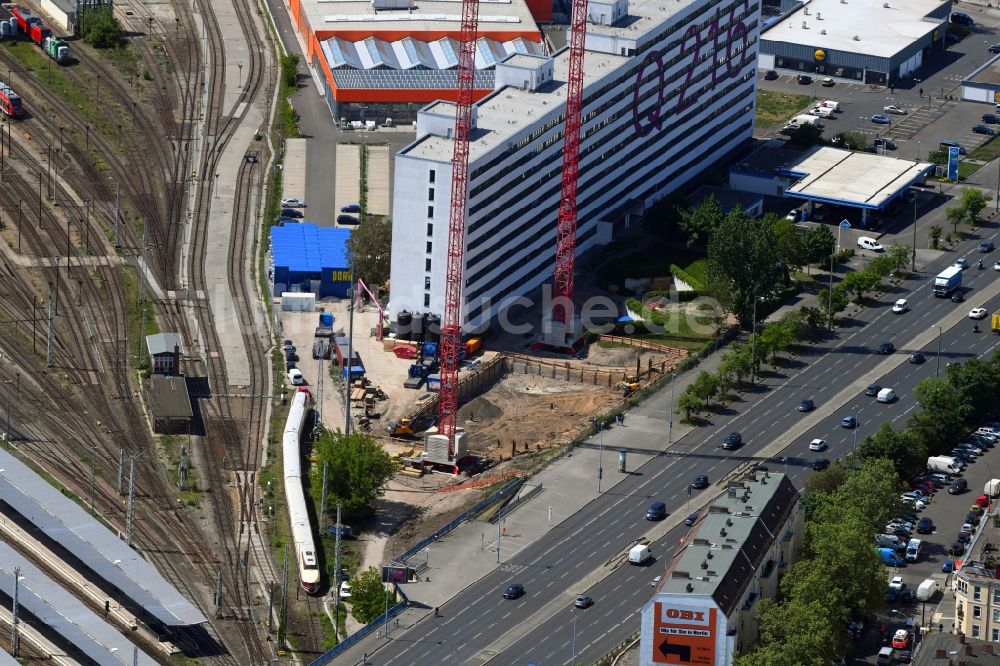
[876, 28]
[427, 16]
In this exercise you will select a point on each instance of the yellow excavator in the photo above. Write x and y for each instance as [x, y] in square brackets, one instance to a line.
[401, 428]
[629, 385]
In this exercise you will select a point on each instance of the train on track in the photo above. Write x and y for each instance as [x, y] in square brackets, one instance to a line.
[10, 101]
[27, 22]
[298, 514]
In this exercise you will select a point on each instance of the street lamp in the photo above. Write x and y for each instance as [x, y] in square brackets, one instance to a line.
[937, 371]
[670, 410]
[600, 458]
[753, 341]
[350, 341]
[574, 642]
[854, 447]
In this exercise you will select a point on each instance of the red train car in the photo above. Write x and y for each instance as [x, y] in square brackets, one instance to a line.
[30, 24]
[10, 101]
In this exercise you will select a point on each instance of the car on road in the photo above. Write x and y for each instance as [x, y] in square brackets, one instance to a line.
[892, 108]
[957, 296]
[806, 405]
[968, 528]
[826, 82]
[292, 202]
[691, 519]
[956, 549]
[872, 390]
[886, 348]
[513, 591]
[732, 441]
[804, 79]
[917, 358]
[972, 518]
[700, 482]
[656, 511]
[986, 246]
[991, 118]
[291, 212]
[821, 464]
[848, 422]
[896, 583]
[958, 486]
[818, 445]
[962, 263]
[881, 119]
[979, 128]
[925, 526]
[583, 601]
[947, 566]
[350, 208]
[994, 48]
[977, 313]
[996, 266]
[900, 306]
[656, 580]
[900, 639]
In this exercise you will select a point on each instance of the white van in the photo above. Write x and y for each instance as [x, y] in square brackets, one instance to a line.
[927, 589]
[805, 119]
[822, 112]
[886, 395]
[832, 105]
[295, 377]
[866, 243]
[913, 550]
[639, 554]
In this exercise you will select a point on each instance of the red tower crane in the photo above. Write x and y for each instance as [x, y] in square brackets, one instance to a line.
[562, 308]
[451, 325]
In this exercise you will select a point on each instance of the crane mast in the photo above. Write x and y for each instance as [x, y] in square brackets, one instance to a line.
[451, 325]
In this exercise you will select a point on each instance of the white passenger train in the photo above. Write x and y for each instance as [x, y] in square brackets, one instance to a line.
[298, 514]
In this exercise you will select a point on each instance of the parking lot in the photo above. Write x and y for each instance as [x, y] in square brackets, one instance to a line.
[948, 514]
[931, 116]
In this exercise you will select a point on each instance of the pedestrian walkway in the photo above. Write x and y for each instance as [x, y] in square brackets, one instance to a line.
[348, 175]
[377, 180]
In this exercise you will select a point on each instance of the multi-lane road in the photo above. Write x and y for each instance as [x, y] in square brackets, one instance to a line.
[582, 555]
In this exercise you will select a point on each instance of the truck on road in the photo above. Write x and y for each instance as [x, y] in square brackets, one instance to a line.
[947, 281]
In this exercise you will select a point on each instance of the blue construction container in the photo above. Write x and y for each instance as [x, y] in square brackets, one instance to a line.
[429, 349]
[434, 382]
[304, 254]
[357, 369]
[326, 319]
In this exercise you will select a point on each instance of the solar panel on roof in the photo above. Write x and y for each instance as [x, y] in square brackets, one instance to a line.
[65, 614]
[65, 522]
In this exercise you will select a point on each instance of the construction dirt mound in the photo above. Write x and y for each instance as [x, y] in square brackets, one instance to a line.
[479, 410]
[529, 412]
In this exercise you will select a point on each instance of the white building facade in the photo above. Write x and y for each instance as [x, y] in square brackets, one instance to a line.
[669, 91]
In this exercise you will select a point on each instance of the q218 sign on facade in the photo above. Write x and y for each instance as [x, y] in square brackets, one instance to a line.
[731, 40]
[683, 635]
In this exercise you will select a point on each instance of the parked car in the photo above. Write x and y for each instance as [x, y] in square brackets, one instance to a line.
[991, 118]
[983, 129]
[691, 519]
[908, 596]
[945, 144]
[994, 48]
[947, 566]
[826, 82]
[892, 108]
[770, 75]
[291, 213]
[292, 202]
[804, 79]
[350, 208]
[882, 142]
[347, 219]
[961, 18]
[881, 119]
[925, 526]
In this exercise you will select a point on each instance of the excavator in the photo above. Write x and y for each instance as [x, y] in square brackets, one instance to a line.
[629, 385]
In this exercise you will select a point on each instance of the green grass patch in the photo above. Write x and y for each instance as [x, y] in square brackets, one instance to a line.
[698, 269]
[987, 152]
[130, 281]
[966, 169]
[652, 259]
[776, 107]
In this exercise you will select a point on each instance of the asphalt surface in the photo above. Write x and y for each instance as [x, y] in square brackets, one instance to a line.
[478, 625]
